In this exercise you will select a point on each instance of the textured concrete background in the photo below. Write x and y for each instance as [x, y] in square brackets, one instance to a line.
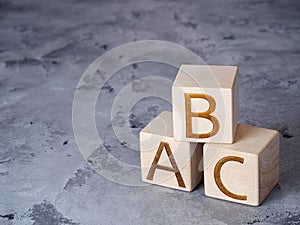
[45, 46]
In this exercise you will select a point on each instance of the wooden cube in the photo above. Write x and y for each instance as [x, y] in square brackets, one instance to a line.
[245, 171]
[167, 162]
[205, 103]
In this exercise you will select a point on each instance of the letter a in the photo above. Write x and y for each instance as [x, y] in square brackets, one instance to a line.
[189, 115]
[173, 169]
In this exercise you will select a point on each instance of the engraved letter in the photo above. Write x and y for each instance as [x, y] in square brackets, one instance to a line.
[189, 115]
[218, 180]
[173, 169]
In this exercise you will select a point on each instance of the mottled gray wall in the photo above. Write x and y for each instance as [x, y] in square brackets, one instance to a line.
[45, 46]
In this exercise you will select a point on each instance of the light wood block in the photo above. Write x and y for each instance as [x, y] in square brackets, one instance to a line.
[245, 171]
[205, 103]
[167, 162]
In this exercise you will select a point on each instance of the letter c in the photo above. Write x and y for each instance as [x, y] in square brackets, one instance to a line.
[217, 176]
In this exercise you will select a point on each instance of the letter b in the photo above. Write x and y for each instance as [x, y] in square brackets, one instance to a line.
[189, 115]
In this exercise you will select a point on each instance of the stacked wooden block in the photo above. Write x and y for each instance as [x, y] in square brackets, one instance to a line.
[240, 162]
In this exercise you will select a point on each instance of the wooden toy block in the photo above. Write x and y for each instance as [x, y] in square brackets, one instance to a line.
[205, 103]
[167, 162]
[245, 171]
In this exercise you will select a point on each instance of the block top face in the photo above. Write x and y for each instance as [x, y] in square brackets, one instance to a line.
[161, 125]
[205, 76]
[248, 139]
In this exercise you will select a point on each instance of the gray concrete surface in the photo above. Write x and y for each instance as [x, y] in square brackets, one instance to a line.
[45, 46]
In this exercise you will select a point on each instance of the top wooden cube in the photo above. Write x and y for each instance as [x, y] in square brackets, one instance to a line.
[205, 103]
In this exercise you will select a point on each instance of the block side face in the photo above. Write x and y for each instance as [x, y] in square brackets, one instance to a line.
[269, 168]
[196, 164]
[163, 174]
[238, 178]
[186, 110]
[235, 106]
[178, 111]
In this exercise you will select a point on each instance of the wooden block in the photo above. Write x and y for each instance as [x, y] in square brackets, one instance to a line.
[245, 171]
[205, 103]
[167, 162]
